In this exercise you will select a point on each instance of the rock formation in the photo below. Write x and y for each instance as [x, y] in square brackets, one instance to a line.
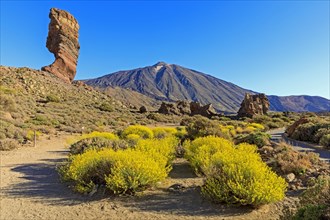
[62, 41]
[253, 105]
[295, 125]
[143, 109]
[186, 108]
[206, 110]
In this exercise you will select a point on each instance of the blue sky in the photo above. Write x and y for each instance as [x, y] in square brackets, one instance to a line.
[275, 47]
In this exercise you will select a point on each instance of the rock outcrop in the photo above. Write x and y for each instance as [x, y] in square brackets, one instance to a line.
[206, 110]
[143, 109]
[253, 105]
[62, 41]
[290, 130]
[186, 108]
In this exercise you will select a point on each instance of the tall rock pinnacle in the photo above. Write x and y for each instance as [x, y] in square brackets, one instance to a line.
[62, 41]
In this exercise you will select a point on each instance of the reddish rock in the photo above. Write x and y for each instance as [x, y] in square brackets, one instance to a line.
[206, 110]
[253, 105]
[296, 124]
[62, 41]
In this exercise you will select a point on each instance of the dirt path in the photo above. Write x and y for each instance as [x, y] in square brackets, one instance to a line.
[278, 135]
[31, 189]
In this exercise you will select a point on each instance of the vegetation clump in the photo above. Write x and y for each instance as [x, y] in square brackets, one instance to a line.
[315, 201]
[143, 131]
[97, 143]
[259, 139]
[122, 171]
[234, 174]
[316, 130]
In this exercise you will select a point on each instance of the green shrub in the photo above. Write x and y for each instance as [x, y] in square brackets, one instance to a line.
[106, 107]
[181, 133]
[292, 161]
[40, 120]
[97, 143]
[315, 201]
[325, 141]
[199, 126]
[259, 138]
[94, 134]
[309, 212]
[8, 144]
[53, 98]
[313, 131]
[143, 131]
[7, 103]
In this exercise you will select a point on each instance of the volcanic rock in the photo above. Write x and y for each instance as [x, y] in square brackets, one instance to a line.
[254, 105]
[206, 110]
[62, 41]
[295, 125]
[143, 109]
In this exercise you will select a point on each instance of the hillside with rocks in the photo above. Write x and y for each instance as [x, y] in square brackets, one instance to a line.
[34, 100]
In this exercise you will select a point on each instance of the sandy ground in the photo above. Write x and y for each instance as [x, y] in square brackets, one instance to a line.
[31, 189]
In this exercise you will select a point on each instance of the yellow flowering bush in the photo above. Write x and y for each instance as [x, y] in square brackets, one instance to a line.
[162, 150]
[143, 131]
[88, 169]
[257, 126]
[94, 134]
[234, 174]
[132, 139]
[199, 151]
[162, 132]
[133, 171]
[30, 135]
[122, 171]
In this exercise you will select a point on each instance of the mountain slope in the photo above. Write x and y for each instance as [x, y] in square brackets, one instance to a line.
[169, 82]
[300, 103]
[172, 82]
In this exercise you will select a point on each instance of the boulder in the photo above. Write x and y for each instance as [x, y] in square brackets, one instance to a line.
[206, 110]
[62, 41]
[296, 124]
[143, 109]
[290, 177]
[253, 105]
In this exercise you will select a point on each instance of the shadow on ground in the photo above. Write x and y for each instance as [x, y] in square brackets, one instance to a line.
[187, 203]
[42, 183]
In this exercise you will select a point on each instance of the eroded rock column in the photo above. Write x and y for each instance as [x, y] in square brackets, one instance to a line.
[62, 41]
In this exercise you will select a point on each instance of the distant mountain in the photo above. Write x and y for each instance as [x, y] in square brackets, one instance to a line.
[302, 103]
[170, 82]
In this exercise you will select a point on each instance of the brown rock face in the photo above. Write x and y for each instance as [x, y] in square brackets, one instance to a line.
[253, 105]
[62, 41]
[186, 108]
[295, 125]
